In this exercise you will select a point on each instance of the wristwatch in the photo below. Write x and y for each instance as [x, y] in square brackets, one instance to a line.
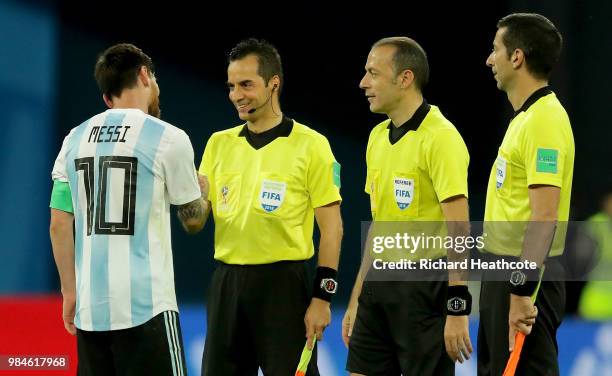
[518, 278]
[329, 285]
[456, 305]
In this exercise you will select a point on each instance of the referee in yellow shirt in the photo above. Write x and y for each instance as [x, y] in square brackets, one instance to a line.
[417, 167]
[268, 179]
[527, 197]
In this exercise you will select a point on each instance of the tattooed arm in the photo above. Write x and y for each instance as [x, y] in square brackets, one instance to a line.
[193, 215]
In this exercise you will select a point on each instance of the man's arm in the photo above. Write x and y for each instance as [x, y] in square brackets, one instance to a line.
[351, 310]
[194, 214]
[456, 332]
[544, 204]
[329, 220]
[62, 242]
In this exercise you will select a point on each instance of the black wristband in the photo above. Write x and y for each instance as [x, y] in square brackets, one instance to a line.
[524, 282]
[325, 284]
[459, 302]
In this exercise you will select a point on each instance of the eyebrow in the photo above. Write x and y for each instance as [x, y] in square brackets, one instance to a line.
[239, 83]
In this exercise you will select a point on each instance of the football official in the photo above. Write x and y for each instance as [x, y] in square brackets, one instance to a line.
[528, 195]
[417, 167]
[269, 178]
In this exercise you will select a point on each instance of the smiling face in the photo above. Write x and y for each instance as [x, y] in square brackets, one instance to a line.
[247, 89]
[500, 62]
[380, 81]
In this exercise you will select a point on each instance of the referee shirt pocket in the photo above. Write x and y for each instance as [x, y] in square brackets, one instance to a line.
[406, 195]
[274, 196]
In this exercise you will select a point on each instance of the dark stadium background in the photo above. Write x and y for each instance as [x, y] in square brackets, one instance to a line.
[323, 47]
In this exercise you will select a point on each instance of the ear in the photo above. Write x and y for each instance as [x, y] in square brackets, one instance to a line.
[275, 81]
[144, 76]
[107, 101]
[517, 58]
[406, 78]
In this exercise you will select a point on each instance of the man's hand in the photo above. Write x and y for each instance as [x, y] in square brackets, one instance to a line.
[521, 317]
[347, 323]
[457, 338]
[68, 311]
[204, 186]
[317, 318]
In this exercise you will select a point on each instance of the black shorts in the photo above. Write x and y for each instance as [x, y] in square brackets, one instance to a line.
[399, 329]
[256, 319]
[539, 354]
[153, 348]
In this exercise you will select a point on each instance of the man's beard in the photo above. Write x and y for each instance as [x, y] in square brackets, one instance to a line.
[154, 109]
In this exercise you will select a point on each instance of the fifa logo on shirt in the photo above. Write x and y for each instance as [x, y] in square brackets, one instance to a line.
[404, 192]
[272, 195]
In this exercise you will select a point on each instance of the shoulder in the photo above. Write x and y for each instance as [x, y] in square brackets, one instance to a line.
[307, 134]
[435, 123]
[380, 128]
[547, 109]
[225, 134]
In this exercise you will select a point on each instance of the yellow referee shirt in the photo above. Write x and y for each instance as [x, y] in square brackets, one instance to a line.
[538, 148]
[408, 179]
[263, 199]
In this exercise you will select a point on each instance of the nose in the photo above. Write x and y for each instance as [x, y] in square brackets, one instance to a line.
[364, 84]
[489, 61]
[235, 94]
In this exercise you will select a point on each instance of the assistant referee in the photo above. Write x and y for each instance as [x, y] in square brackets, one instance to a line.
[269, 178]
[528, 195]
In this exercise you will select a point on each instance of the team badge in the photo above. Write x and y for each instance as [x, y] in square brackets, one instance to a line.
[272, 195]
[404, 192]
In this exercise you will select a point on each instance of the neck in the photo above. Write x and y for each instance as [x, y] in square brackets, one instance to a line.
[130, 99]
[523, 89]
[271, 117]
[406, 108]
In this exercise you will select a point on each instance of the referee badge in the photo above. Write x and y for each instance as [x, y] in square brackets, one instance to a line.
[500, 172]
[404, 192]
[272, 195]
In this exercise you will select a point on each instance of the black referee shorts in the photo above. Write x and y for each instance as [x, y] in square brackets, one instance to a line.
[539, 354]
[256, 319]
[399, 329]
[153, 348]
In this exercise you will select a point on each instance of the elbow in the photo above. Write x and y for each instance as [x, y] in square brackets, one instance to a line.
[58, 227]
[193, 226]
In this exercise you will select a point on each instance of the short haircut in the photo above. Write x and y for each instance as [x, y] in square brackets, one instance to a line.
[408, 55]
[268, 58]
[117, 68]
[537, 37]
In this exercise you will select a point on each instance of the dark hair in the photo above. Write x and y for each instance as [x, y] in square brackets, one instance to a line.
[268, 59]
[537, 37]
[408, 55]
[117, 68]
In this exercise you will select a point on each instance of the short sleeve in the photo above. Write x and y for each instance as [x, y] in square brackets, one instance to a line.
[179, 171]
[60, 170]
[323, 180]
[543, 149]
[448, 164]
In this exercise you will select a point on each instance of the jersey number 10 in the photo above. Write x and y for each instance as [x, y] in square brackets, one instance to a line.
[130, 166]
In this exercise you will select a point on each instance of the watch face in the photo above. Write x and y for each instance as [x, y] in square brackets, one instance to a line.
[456, 304]
[329, 285]
[518, 278]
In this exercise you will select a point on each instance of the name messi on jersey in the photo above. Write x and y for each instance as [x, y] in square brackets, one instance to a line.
[108, 133]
